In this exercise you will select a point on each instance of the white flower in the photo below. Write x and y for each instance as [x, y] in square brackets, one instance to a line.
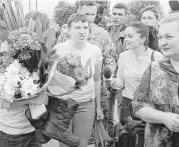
[2, 79]
[12, 70]
[35, 76]
[4, 47]
[28, 88]
[9, 90]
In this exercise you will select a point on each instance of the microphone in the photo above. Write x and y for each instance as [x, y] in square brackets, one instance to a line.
[107, 72]
[174, 5]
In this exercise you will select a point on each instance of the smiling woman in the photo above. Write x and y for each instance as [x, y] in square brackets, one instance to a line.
[150, 16]
[132, 64]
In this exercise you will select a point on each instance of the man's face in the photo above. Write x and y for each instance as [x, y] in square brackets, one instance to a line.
[89, 11]
[79, 31]
[118, 16]
[149, 18]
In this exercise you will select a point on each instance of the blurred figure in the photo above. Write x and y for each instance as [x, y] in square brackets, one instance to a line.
[117, 33]
[117, 29]
[150, 16]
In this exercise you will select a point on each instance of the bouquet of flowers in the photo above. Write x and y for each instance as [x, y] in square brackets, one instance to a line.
[19, 73]
[69, 75]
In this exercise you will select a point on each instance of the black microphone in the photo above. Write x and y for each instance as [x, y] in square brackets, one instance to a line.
[107, 72]
[174, 5]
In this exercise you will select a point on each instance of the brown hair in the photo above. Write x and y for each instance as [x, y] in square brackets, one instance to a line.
[148, 32]
[153, 9]
[81, 3]
[76, 17]
[121, 6]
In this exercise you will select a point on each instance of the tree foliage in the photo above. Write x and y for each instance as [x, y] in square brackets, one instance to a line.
[136, 7]
[62, 12]
[103, 13]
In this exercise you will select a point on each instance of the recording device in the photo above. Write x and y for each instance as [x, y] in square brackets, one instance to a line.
[107, 75]
[174, 5]
[107, 72]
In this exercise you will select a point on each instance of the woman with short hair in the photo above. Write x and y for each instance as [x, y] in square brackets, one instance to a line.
[156, 99]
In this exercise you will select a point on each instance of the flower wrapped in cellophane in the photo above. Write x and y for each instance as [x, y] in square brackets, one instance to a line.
[68, 75]
[18, 83]
[19, 72]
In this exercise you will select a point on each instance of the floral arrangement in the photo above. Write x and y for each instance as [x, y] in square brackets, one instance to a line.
[68, 74]
[19, 68]
[70, 65]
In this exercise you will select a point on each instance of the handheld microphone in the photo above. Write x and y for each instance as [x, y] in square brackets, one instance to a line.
[107, 72]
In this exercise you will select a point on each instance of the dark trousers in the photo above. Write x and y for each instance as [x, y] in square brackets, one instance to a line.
[24, 140]
[109, 118]
[126, 110]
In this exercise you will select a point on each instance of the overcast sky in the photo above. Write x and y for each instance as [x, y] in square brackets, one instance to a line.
[47, 6]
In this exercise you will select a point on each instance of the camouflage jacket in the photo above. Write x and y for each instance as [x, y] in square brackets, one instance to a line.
[117, 36]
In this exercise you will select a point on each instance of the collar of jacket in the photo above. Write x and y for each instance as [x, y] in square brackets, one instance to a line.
[122, 30]
[167, 66]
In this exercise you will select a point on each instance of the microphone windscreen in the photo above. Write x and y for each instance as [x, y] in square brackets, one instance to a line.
[107, 72]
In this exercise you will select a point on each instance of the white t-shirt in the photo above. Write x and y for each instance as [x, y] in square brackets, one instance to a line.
[90, 56]
[13, 121]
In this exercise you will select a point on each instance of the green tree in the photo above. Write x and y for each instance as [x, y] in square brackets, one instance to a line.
[136, 7]
[62, 12]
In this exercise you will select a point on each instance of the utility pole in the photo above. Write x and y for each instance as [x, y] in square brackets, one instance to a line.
[29, 6]
[36, 4]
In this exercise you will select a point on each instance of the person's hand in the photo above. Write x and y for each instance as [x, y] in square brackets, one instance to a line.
[107, 82]
[41, 98]
[171, 120]
[99, 114]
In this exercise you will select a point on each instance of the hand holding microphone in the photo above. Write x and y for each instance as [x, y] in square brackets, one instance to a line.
[107, 79]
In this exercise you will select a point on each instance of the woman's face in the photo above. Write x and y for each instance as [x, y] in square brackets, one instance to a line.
[149, 18]
[169, 39]
[132, 39]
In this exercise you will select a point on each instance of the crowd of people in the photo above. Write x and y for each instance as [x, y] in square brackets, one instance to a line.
[143, 58]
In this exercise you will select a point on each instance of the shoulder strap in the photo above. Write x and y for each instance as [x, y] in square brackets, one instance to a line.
[152, 56]
[122, 39]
